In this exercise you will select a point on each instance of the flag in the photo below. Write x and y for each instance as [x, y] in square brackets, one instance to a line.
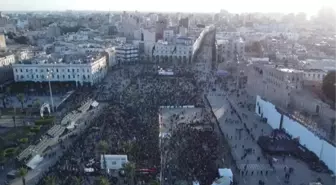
[174, 50]
[153, 49]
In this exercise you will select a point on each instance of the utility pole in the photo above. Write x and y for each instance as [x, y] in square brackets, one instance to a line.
[50, 91]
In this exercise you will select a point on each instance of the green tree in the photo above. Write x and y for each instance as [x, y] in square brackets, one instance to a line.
[77, 180]
[22, 173]
[103, 148]
[129, 169]
[154, 182]
[50, 180]
[20, 97]
[329, 85]
[102, 181]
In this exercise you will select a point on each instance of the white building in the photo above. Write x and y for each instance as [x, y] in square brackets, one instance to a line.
[82, 70]
[113, 162]
[180, 51]
[127, 53]
[315, 75]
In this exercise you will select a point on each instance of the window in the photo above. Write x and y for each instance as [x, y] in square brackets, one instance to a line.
[16, 70]
[35, 70]
[69, 70]
[41, 70]
[68, 76]
[63, 76]
[73, 70]
[47, 70]
[77, 70]
[37, 76]
[42, 76]
[17, 76]
[57, 70]
[73, 76]
[57, 76]
[32, 77]
[52, 76]
[21, 70]
[26, 70]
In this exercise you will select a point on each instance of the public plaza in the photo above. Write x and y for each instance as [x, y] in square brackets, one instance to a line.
[175, 129]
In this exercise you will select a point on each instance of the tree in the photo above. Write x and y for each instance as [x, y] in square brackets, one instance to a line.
[154, 182]
[77, 181]
[50, 180]
[20, 97]
[328, 85]
[103, 148]
[129, 169]
[102, 181]
[22, 173]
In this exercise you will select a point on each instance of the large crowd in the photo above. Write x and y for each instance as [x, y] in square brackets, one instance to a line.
[129, 124]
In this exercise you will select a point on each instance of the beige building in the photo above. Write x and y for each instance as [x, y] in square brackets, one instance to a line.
[273, 83]
[2, 41]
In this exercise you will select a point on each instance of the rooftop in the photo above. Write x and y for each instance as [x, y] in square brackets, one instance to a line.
[288, 70]
[73, 58]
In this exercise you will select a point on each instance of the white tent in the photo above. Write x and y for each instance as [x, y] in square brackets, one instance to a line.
[113, 162]
[34, 161]
[226, 177]
[94, 104]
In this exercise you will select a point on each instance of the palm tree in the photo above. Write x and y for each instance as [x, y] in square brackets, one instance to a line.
[103, 148]
[50, 180]
[129, 169]
[102, 181]
[22, 173]
[21, 98]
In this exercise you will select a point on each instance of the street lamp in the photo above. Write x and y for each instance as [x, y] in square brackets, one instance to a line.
[50, 90]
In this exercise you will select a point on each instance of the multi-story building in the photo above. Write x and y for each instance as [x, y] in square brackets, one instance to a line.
[6, 71]
[178, 52]
[127, 54]
[274, 83]
[168, 35]
[228, 49]
[2, 41]
[81, 68]
[314, 75]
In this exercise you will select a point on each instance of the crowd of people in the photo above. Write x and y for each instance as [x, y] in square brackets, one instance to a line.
[129, 125]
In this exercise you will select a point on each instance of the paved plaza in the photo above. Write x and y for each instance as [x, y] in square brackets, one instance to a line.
[254, 165]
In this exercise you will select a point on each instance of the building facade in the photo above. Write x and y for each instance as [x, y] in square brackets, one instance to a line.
[82, 73]
[273, 83]
[6, 71]
[228, 49]
[178, 52]
[127, 54]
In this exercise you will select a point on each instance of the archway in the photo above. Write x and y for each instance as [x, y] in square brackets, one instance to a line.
[43, 107]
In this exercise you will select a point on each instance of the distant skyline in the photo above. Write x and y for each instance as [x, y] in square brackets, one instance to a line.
[310, 7]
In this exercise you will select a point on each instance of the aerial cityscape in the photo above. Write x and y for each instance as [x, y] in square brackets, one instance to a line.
[134, 97]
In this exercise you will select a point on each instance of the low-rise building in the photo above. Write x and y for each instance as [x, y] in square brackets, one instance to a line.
[82, 69]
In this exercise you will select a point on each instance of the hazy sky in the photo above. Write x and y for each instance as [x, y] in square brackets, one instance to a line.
[235, 6]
